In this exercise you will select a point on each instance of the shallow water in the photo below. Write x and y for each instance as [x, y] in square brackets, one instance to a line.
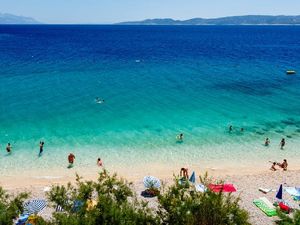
[157, 81]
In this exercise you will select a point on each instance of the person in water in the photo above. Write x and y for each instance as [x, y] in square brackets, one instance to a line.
[71, 158]
[242, 130]
[282, 143]
[8, 148]
[180, 137]
[41, 147]
[267, 142]
[99, 162]
[98, 100]
[273, 166]
[184, 173]
[230, 128]
[283, 165]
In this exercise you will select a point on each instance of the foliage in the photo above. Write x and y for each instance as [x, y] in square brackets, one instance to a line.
[181, 205]
[285, 219]
[116, 203]
[111, 200]
[10, 206]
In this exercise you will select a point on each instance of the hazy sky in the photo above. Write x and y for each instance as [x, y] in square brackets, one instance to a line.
[110, 11]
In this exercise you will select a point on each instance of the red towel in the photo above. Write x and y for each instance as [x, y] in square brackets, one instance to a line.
[284, 207]
[222, 187]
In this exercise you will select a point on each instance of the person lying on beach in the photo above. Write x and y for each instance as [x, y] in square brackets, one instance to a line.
[267, 142]
[283, 165]
[41, 147]
[184, 173]
[282, 143]
[71, 158]
[99, 162]
[273, 166]
[8, 148]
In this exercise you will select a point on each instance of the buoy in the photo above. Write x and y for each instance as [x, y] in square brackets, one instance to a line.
[290, 72]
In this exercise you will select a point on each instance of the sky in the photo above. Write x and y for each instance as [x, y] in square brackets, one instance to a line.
[112, 11]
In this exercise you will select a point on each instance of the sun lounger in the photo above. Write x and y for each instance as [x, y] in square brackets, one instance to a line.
[265, 190]
[266, 206]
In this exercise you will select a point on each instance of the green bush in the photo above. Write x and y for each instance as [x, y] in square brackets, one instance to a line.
[285, 219]
[10, 206]
[182, 205]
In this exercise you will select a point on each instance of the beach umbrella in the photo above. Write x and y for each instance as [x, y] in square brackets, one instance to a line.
[151, 182]
[279, 193]
[193, 177]
[34, 206]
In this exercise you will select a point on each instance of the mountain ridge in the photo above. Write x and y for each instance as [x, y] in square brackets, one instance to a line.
[6, 18]
[230, 20]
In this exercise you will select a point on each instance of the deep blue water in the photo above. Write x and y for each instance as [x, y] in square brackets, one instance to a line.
[157, 81]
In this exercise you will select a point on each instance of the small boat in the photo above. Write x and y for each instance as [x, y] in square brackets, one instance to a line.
[290, 72]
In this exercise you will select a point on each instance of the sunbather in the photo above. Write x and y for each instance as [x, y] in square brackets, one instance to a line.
[283, 165]
[184, 173]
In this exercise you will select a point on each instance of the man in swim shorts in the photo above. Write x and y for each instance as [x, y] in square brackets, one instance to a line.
[283, 165]
[41, 147]
[8, 148]
[282, 143]
[71, 158]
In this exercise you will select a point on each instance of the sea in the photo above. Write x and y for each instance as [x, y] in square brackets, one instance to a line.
[156, 82]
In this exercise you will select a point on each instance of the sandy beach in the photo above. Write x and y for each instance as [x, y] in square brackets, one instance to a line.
[247, 185]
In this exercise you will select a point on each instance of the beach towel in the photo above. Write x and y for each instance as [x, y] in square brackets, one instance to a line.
[222, 187]
[34, 206]
[292, 191]
[200, 187]
[266, 206]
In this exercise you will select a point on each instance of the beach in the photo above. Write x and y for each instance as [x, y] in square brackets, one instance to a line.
[247, 186]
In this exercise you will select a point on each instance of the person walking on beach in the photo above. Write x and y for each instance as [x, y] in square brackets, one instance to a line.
[71, 159]
[99, 162]
[41, 147]
[267, 142]
[8, 148]
[282, 143]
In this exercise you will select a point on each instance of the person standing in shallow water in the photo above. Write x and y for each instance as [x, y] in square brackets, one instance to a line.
[8, 148]
[282, 143]
[71, 159]
[267, 142]
[41, 147]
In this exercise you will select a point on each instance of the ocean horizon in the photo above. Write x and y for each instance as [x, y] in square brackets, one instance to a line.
[156, 82]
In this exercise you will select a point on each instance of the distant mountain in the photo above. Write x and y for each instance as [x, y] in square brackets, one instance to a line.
[231, 20]
[6, 18]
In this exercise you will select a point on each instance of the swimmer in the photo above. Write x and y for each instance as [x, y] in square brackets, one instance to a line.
[41, 147]
[273, 166]
[230, 128]
[71, 158]
[282, 143]
[98, 100]
[8, 148]
[242, 129]
[267, 142]
[99, 162]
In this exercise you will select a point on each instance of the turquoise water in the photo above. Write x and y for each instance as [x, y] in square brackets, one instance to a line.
[156, 82]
